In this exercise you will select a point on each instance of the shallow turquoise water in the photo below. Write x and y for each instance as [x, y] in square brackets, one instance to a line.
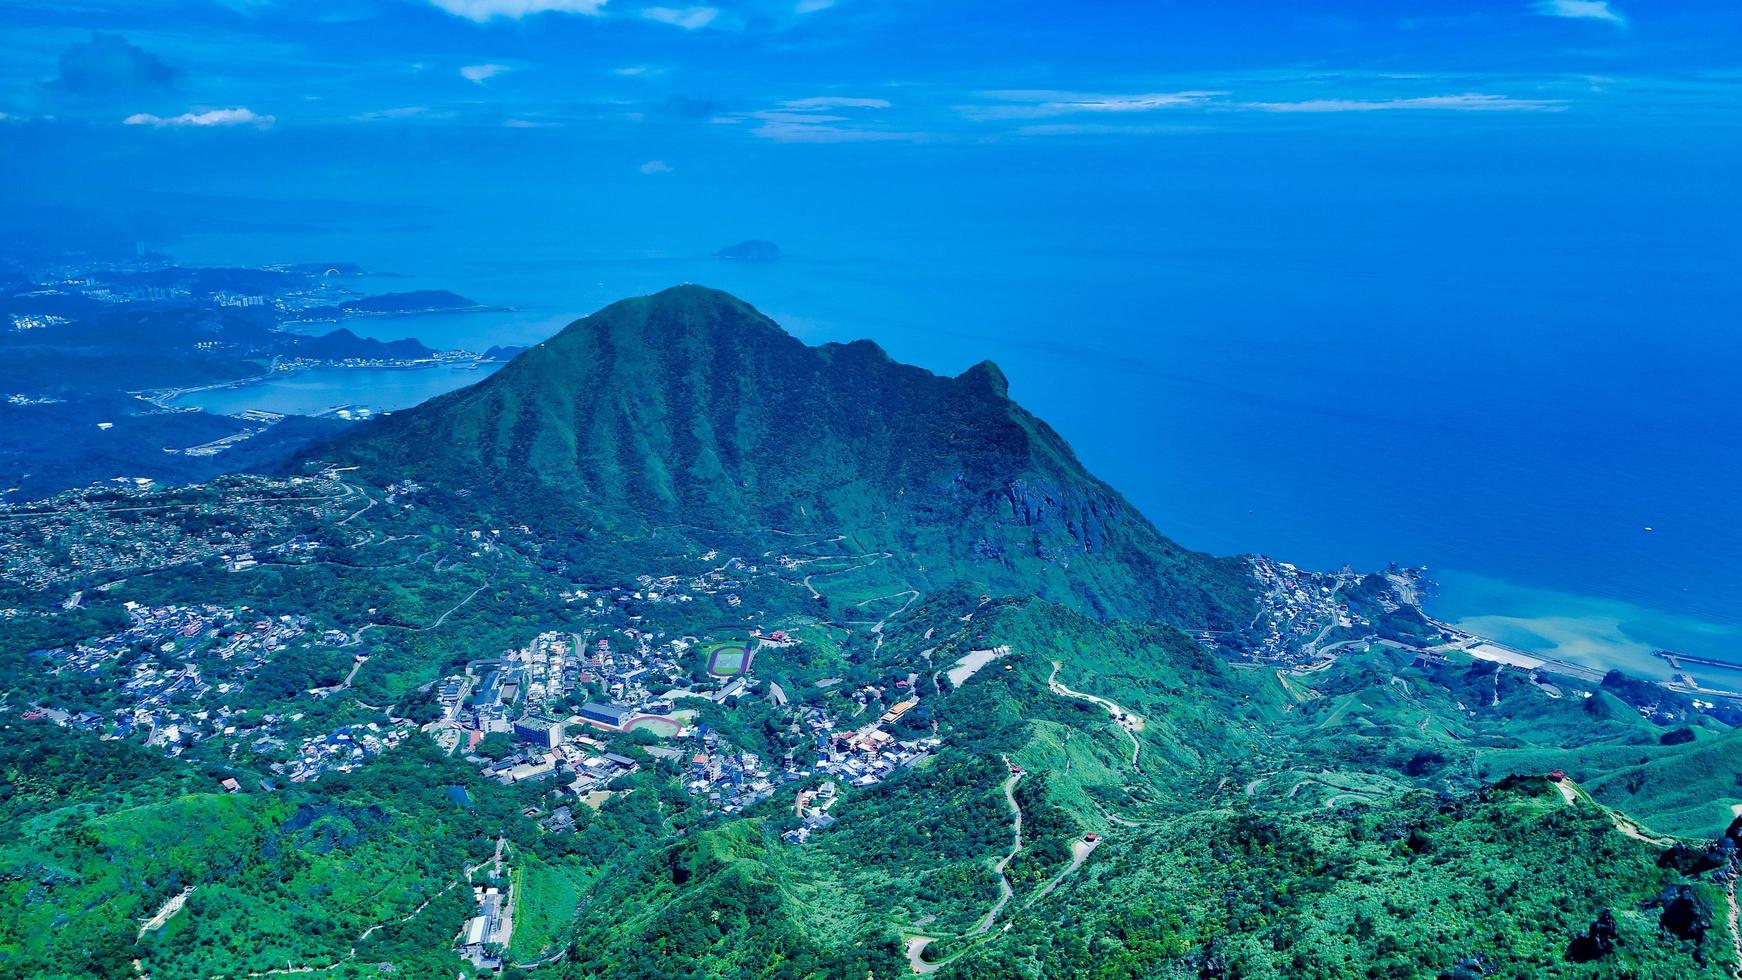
[1594, 631]
[316, 391]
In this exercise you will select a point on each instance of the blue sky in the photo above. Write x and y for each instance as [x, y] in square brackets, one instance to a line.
[677, 78]
[705, 118]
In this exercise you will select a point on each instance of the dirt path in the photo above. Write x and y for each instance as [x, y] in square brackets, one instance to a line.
[1626, 826]
[1131, 723]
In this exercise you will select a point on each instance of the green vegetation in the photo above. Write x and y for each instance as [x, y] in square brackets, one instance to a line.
[1383, 816]
[546, 897]
[293, 876]
[1262, 833]
[690, 410]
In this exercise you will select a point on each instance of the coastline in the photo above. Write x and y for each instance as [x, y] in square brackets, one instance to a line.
[1493, 651]
[167, 399]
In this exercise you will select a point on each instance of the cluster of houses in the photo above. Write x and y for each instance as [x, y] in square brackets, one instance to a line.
[870, 754]
[341, 750]
[812, 808]
[181, 664]
[1296, 607]
[113, 525]
[636, 679]
[730, 778]
[546, 749]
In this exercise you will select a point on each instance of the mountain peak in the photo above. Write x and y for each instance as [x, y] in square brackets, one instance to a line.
[688, 409]
[686, 316]
[987, 375]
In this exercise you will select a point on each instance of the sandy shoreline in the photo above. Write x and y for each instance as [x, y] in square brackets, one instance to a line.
[1493, 651]
[1499, 654]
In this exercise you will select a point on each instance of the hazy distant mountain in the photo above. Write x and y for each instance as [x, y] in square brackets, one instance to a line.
[394, 304]
[753, 250]
[690, 409]
[342, 344]
[503, 352]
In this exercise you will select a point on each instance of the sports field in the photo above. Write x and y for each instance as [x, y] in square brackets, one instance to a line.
[728, 659]
[657, 724]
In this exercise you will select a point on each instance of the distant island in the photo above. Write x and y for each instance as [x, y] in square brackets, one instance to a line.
[343, 345]
[399, 304]
[503, 352]
[752, 250]
[95, 364]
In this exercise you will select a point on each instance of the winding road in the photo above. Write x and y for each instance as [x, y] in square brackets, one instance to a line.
[1130, 723]
[1004, 889]
[916, 944]
[1080, 851]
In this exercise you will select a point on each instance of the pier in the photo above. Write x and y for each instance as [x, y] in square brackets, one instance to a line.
[1677, 659]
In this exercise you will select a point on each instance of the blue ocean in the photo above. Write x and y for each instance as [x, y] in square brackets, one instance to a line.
[1554, 433]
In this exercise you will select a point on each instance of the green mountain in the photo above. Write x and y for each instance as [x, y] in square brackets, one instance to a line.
[211, 768]
[690, 412]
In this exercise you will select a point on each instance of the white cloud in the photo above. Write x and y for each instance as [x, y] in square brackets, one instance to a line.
[816, 127]
[812, 6]
[1106, 129]
[1580, 10]
[211, 117]
[518, 123]
[820, 119]
[835, 102]
[688, 18]
[1045, 103]
[656, 167]
[481, 73]
[1469, 102]
[400, 112]
[483, 10]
